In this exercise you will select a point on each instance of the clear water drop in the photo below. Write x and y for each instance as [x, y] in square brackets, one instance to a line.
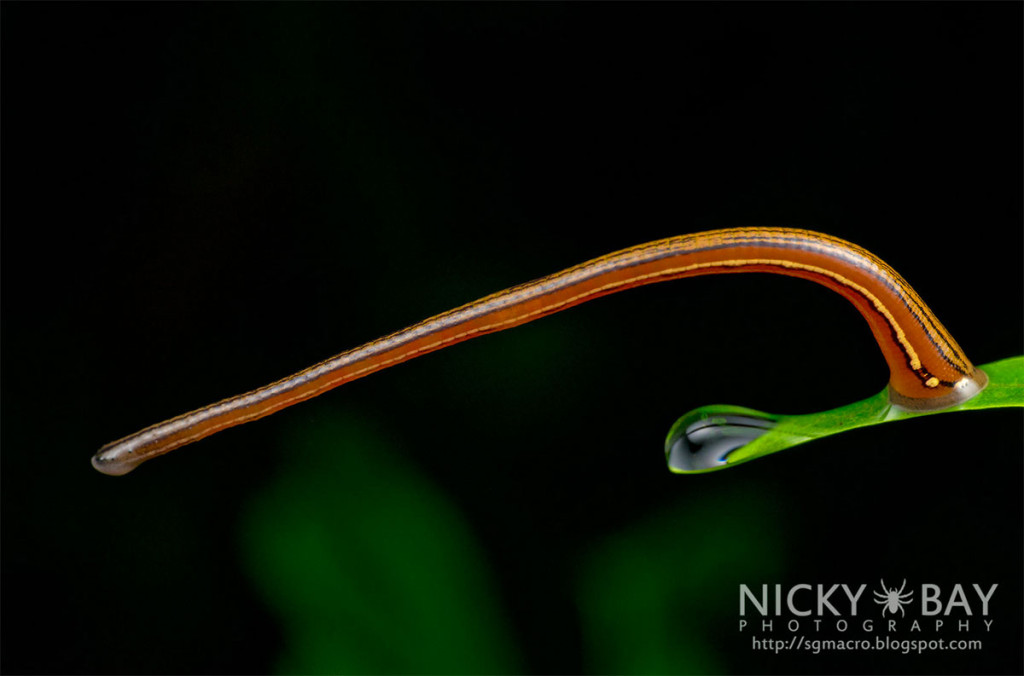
[703, 439]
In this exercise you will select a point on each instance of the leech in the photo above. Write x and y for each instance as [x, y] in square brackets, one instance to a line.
[928, 370]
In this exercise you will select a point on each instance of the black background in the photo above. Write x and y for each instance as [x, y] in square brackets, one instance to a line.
[200, 198]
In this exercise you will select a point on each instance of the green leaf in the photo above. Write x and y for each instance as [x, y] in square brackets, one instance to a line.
[711, 438]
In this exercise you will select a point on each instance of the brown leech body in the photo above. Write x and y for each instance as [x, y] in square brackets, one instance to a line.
[928, 370]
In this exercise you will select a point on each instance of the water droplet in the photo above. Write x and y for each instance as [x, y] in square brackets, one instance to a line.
[704, 438]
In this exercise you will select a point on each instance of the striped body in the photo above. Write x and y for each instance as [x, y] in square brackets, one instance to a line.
[928, 370]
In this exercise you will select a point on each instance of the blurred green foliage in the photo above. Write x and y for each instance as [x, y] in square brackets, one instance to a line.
[368, 566]
[657, 598]
[371, 569]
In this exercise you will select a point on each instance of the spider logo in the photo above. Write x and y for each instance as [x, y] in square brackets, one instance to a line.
[893, 599]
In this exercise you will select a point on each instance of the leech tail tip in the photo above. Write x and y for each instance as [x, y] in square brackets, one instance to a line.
[965, 389]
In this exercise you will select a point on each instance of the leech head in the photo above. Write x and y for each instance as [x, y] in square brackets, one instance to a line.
[117, 458]
[963, 390]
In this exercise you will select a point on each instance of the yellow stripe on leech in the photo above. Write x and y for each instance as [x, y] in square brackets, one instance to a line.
[901, 336]
[782, 237]
[938, 334]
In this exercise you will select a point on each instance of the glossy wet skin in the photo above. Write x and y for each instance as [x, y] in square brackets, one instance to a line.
[928, 370]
